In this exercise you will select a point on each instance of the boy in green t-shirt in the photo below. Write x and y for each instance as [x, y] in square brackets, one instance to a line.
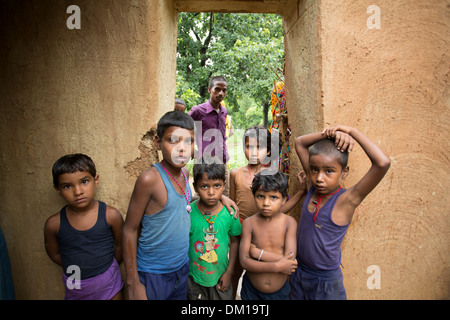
[214, 233]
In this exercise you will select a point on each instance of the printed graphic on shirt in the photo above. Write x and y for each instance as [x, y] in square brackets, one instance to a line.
[206, 249]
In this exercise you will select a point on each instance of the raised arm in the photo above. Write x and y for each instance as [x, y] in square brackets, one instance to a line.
[380, 163]
[343, 142]
[285, 208]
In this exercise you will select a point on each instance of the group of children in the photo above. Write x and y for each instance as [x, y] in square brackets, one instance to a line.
[175, 245]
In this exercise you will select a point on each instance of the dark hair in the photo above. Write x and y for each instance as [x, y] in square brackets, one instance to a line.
[176, 119]
[72, 163]
[217, 79]
[262, 134]
[180, 101]
[270, 182]
[328, 147]
[213, 167]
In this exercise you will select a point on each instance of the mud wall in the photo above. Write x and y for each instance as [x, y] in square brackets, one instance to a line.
[96, 90]
[391, 83]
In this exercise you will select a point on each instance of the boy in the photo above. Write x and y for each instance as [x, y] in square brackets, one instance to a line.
[81, 237]
[214, 235]
[268, 242]
[158, 267]
[258, 143]
[180, 105]
[328, 209]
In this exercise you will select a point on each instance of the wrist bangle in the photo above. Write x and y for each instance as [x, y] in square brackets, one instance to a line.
[260, 255]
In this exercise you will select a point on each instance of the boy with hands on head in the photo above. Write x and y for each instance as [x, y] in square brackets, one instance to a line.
[328, 208]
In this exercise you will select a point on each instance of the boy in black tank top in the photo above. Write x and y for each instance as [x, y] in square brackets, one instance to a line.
[85, 237]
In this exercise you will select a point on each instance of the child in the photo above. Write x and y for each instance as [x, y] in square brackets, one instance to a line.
[268, 242]
[81, 237]
[180, 105]
[212, 237]
[258, 144]
[328, 209]
[158, 267]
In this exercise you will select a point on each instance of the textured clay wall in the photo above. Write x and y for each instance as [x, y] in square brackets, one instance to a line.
[97, 90]
[392, 84]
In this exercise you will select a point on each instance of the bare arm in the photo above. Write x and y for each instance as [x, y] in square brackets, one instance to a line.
[380, 163]
[232, 184]
[51, 241]
[285, 264]
[225, 280]
[285, 208]
[228, 203]
[115, 220]
[139, 199]
[290, 247]
[302, 143]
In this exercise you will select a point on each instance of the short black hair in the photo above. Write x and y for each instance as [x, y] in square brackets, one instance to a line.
[328, 147]
[213, 167]
[72, 163]
[216, 79]
[270, 182]
[176, 119]
[261, 134]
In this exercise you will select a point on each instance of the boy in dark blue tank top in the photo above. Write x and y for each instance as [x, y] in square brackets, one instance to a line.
[157, 263]
[328, 209]
[85, 237]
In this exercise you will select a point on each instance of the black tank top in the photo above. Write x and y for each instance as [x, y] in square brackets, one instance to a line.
[91, 250]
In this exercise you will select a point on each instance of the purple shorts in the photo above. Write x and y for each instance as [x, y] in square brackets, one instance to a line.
[101, 287]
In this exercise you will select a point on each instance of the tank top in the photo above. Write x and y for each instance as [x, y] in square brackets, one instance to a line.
[91, 250]
[164, 240]
[319, 242]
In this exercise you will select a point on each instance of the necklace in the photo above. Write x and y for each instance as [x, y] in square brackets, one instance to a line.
[250, 175]
[209, 214]
[188, 196]
[317, 202]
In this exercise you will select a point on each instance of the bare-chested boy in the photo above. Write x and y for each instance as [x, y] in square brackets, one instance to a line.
[268, 243]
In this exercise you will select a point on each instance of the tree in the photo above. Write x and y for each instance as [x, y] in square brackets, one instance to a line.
[244, 48]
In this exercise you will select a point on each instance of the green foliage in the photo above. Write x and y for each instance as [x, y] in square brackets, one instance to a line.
[245, 48]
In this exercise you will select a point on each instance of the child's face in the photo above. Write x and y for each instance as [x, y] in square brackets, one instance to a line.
[176, 145]
[78, 188]
[269, 202]
[326, 173]
[209, 190]
[254, 153]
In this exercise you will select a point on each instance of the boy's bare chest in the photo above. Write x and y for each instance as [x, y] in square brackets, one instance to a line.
[269, 237]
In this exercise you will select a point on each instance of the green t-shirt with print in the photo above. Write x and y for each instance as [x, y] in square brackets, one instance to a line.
[209, 244]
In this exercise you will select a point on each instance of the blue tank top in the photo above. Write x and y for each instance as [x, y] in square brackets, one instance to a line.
[319, 242]
[164, 240]
[91, 250]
